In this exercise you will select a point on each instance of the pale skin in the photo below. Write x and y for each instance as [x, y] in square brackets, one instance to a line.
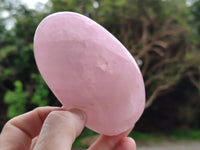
[54, 128]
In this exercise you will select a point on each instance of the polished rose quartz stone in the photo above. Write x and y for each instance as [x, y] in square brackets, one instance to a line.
[87, 68]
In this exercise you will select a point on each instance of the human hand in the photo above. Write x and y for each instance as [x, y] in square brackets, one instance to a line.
[53, 128]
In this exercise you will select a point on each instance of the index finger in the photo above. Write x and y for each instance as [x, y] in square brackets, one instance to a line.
[18, 133]
[108, 142]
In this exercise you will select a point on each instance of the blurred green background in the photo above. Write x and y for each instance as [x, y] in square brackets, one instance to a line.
[162, 35]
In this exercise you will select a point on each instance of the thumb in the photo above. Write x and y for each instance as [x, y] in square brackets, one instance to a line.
[60, 130]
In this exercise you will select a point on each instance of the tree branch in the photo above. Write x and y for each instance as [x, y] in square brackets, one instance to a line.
[144, 31]
[156, 93]
[194, 82]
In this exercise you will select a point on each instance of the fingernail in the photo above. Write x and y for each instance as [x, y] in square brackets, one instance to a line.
[79, 113]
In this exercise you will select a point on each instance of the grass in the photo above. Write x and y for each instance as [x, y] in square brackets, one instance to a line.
[176, 134]
[149, 138]
[186, 134]
[85, 134]
[138, 136]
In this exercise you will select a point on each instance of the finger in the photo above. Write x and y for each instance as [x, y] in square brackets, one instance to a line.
[60, 130]
[17, 134]
[108, 142]
[34, 140]
[126, 143]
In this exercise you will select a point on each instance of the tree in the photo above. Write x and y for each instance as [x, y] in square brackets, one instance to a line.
[160, 35]
[155, 32]
[195, 24]
[21, 86]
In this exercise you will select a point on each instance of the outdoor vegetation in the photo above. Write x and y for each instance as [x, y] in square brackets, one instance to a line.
[162, 35]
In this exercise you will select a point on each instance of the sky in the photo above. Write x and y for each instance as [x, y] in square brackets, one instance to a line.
[31, 3]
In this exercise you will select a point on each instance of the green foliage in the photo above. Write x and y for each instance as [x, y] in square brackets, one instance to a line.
[182, 134]
[196, 21]
[162, 29]
[17, 60]
[175, 134]
[86, 133]
[188, 56]
[138, 136]
[7, 50]
[8, 72]
[148, 138]
[16, 99]
[41, 92]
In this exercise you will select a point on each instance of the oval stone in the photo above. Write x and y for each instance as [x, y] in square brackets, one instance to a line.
[87, 68]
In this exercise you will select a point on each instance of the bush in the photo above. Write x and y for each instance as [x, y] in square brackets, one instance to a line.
[16, 99]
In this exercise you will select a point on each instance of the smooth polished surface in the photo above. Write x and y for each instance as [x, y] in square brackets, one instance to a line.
[86, 67]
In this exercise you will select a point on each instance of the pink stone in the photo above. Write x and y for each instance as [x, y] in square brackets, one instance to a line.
[87, 68]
